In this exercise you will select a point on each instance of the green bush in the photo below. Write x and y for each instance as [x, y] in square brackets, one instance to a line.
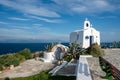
[14, 59]
[21, 58]
[1, 67]
[49, 47]
[68, 58]
[95, 50]
[2, 60]
[26, 53]
[10, 59]
[7, 60]
[7, 78]
[73, 49]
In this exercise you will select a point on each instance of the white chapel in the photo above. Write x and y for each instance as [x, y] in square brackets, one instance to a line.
[86, 36]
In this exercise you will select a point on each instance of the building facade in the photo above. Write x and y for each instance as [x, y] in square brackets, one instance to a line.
[87, 36]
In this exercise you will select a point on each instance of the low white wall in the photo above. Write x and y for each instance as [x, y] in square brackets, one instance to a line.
[49, 56]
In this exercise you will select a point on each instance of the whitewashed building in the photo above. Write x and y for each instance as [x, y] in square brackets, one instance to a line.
[86, 36]
[57, 52]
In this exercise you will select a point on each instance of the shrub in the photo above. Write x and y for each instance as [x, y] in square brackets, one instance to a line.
[95, 50]
[15, 62]
[2, 60]
[1, 67]
[26, 53]
[14, 59]
[21, 58]
[49, 47]
[11, 60]
[73, 50]
[7, 78]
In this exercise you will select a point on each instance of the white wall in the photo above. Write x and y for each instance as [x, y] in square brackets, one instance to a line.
[86, 42]
[80, 39]
[73, 37]
[96, 35]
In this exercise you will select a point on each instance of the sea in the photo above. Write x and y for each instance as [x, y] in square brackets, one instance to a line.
[6, 48]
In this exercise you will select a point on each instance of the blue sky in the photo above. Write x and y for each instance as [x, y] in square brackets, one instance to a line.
[42, 20]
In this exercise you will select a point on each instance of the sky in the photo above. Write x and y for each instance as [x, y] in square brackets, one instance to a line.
[54, 20]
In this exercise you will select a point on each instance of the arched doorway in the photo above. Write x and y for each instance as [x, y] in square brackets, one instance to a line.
[58, 53]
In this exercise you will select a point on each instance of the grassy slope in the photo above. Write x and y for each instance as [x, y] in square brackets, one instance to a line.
[42, 76]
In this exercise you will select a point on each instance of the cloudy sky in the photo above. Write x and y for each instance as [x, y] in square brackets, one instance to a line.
[54, 19]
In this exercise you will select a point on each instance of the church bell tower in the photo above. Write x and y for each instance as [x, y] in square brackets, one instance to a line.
[86, 24]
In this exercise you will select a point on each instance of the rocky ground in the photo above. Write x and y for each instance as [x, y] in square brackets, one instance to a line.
[27, 68]
[111, 55]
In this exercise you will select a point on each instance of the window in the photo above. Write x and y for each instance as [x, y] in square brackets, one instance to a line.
[77, 36]
[87, 25]
[86, 37]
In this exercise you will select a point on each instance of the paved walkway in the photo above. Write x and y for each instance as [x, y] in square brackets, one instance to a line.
[27, 68]
[111, 55]
[95, 68]
[83, 72]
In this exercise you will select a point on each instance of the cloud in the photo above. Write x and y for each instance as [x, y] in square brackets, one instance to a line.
[37, 24]
[25, 34]
[108, 17]
[29, 7]
[3, 22]
[55, 7]
[46, 20]
[18, 33]
[88, 6]
[20, 19]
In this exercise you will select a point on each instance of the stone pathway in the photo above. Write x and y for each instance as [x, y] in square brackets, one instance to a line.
[95, 68]
[27, 68]
[111, 55]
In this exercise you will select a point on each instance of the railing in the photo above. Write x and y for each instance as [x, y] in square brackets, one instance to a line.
[111, 71]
